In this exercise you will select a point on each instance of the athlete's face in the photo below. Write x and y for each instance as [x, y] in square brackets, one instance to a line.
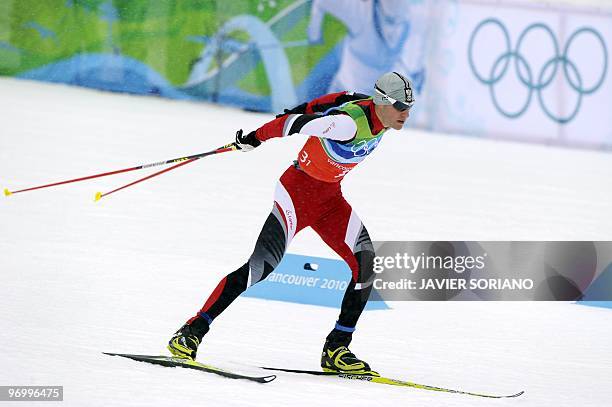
[391, 117]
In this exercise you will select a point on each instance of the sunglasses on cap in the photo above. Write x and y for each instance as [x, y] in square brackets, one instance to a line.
[400, 106]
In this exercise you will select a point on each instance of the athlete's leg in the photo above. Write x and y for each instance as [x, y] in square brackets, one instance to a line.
[344, 233]
[278, 231]
[276, 234]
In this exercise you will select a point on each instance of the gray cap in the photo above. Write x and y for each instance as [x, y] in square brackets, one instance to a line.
[394, 85]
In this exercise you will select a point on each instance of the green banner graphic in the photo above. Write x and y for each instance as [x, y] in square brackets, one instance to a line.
[250, 53]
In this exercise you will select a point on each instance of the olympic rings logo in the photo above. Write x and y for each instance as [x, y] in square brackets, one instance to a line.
[547, 73]
[364, 147]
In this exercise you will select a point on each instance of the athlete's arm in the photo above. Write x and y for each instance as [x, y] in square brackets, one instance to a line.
[339, 127]
[314, 118]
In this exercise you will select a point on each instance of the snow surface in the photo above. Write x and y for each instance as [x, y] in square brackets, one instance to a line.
[121, 275]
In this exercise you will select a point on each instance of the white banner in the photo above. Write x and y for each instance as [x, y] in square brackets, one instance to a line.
[521, 71]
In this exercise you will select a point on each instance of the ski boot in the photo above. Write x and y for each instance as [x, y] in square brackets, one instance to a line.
[184, 343]
[337, 357]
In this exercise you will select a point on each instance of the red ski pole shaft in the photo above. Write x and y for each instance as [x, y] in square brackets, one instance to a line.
[8, 193]
[139, 167]
[100, 195]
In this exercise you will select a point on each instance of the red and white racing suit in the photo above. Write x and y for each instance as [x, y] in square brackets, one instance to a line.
[308, 194]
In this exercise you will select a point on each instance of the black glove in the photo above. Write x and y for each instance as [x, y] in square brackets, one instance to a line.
[246, 142]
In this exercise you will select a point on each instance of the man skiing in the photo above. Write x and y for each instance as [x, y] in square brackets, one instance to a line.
[343, 129]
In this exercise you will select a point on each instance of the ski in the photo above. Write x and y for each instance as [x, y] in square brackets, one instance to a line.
[392, 382]
[169, 361]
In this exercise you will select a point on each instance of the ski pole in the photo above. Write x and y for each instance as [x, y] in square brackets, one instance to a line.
[100, 195]
[223, 149]
[229, 147]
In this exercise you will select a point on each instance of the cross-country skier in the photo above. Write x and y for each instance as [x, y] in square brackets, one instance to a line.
[343, 129]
